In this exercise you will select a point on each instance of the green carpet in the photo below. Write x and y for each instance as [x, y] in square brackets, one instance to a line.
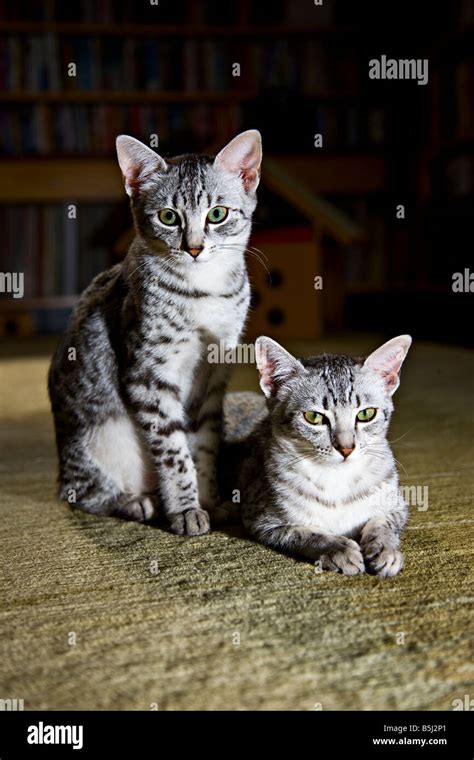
[219, 622]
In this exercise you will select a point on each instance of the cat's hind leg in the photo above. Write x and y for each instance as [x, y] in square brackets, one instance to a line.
[103, 470]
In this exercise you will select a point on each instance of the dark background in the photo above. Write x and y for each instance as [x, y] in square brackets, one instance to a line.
[329, 211]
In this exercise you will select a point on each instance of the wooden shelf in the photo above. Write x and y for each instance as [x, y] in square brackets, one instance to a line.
[171, 30]
[54, 180]
[46, 180]
[36, 304]
[163, 96]
[121, 96]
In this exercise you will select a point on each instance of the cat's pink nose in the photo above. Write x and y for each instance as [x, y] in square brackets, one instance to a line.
[346, 451]
[194, 252]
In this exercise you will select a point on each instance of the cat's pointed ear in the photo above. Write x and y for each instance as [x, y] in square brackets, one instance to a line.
[243, 156]
[275, 365]
[388, 359]
[137, 162]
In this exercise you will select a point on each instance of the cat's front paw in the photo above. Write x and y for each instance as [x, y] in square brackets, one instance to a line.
[382, 555]
[141, 510]
[344, 556]
[386, 561]
[192, 522]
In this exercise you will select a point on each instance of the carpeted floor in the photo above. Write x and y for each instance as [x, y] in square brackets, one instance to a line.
[220, 622]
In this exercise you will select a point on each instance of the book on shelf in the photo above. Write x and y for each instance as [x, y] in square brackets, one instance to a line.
[42, 63]
[464, 12]
[309, 14]
[459, 175]
[464, 98]
[57, 255]
[90, 130]
[456, 82]
[69, 130]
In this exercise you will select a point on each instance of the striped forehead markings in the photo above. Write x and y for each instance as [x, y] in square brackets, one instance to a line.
[339, 384]
[351, 384]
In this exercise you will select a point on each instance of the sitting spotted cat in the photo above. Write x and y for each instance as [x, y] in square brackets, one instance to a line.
[316, 475]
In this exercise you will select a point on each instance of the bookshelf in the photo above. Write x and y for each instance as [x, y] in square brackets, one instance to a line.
[445, 170]
[169, 69]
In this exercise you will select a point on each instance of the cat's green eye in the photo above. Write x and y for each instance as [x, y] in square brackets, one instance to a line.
[314, 418]
[217, 214]
[168, 216]
[365, 415]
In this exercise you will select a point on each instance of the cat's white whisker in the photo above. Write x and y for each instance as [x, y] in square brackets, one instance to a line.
[395, 440]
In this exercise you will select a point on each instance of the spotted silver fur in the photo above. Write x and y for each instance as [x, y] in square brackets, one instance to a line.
[138, 407]
[299, 493]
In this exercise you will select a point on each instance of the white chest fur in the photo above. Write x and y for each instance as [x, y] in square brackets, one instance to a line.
[336, 501]
[222, 314]
[220, 318]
